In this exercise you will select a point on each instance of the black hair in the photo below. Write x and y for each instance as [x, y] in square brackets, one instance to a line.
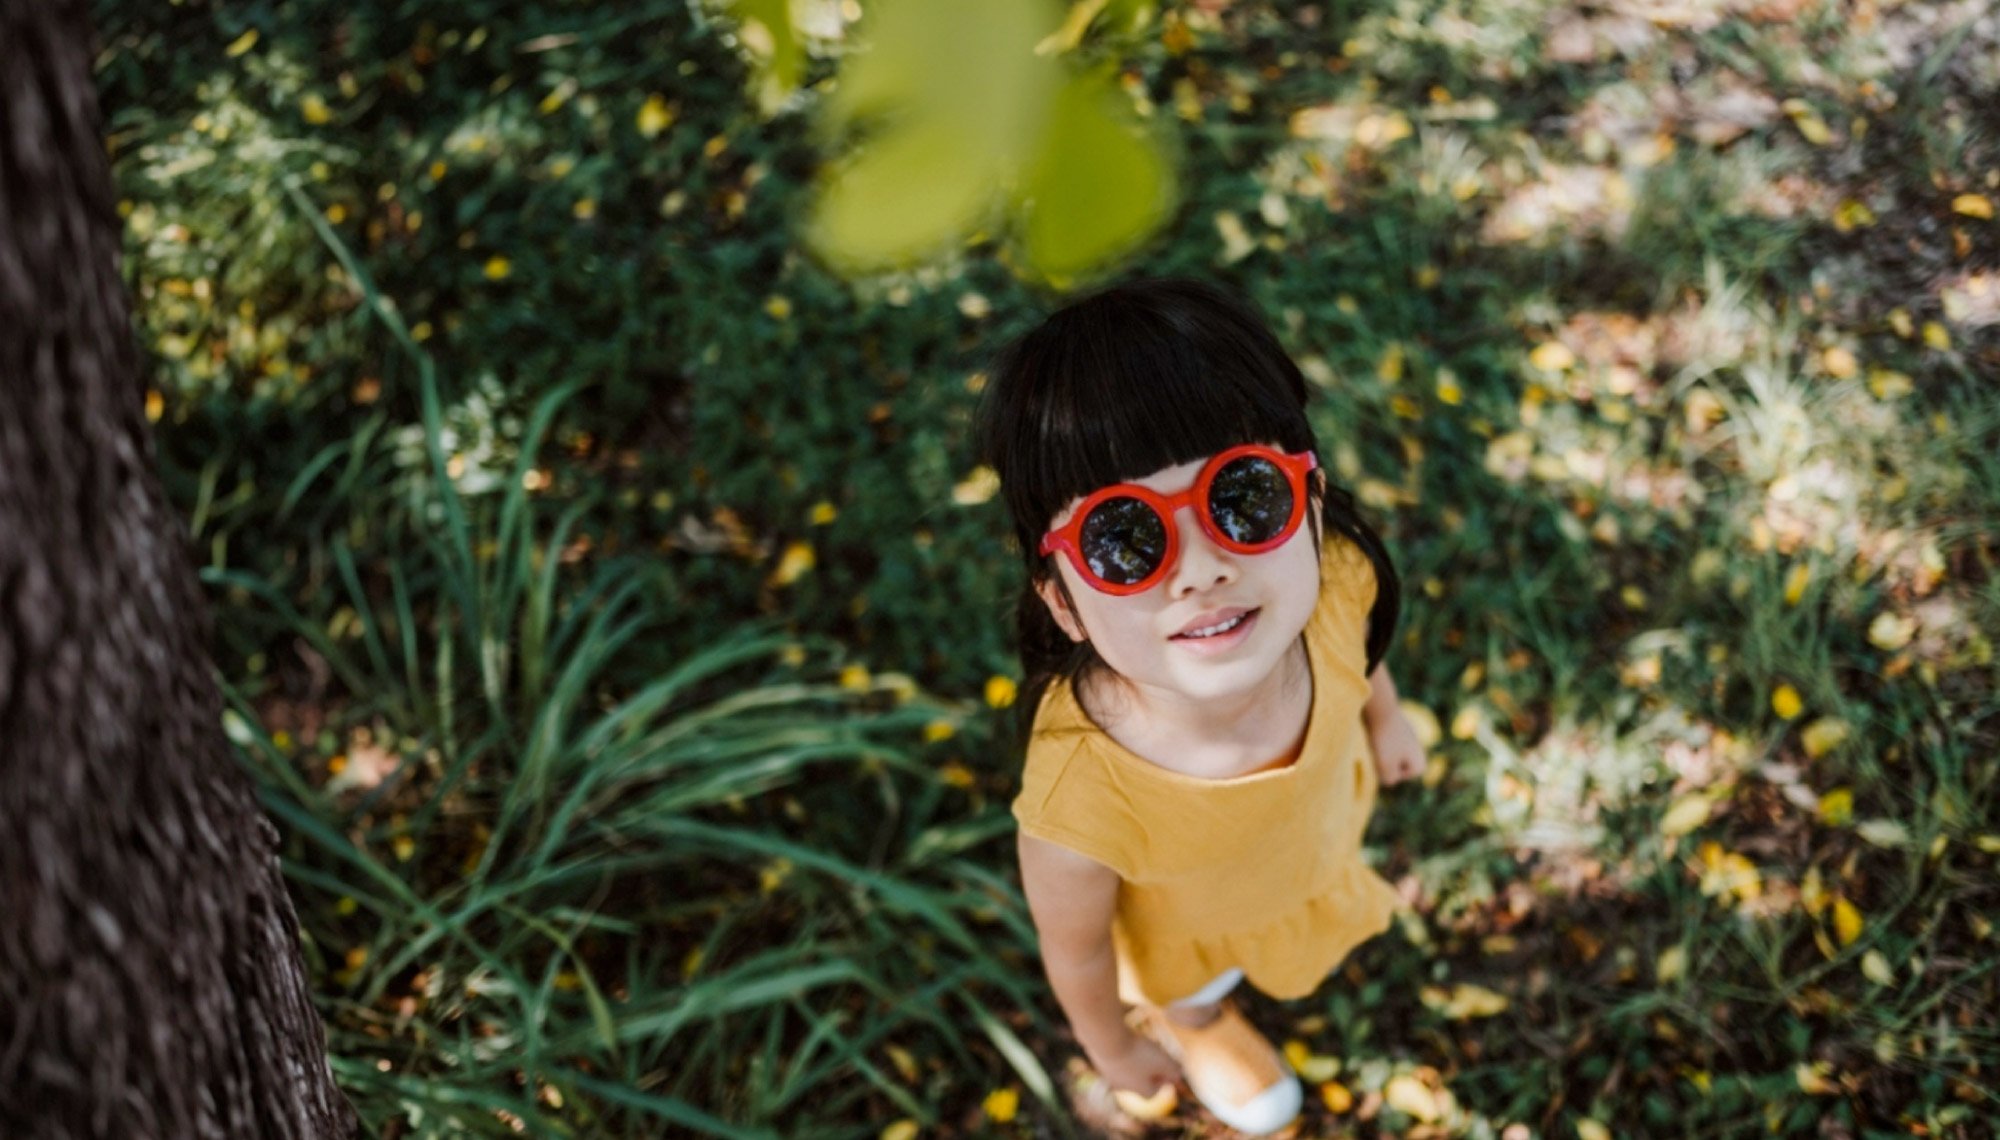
[1117, 385]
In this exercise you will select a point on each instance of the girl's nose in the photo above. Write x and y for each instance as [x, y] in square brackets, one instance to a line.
[1202, 564]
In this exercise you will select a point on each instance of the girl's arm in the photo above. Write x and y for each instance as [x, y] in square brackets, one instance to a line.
[1399, 754]
[1071, 899]
[1382, 698]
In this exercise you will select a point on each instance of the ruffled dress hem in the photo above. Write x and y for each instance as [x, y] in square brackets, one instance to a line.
[1326, 923]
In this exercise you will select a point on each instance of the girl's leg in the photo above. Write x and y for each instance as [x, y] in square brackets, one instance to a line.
[1205, 1004]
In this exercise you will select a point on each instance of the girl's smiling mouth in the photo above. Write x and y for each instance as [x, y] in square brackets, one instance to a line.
[1226, 630]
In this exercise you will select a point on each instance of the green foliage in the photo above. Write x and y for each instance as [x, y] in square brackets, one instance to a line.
[527, 699]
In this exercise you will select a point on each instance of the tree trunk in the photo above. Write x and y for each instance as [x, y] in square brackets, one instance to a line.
[150, 977]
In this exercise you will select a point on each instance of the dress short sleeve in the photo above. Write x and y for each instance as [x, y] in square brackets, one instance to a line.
[1064, 800]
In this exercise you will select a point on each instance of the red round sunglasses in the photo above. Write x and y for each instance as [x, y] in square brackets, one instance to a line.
[1123, 538]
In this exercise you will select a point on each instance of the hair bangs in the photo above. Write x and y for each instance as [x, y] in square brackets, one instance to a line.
[1117, 391]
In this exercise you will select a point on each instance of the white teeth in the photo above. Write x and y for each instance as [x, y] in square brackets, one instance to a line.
[1212, 630]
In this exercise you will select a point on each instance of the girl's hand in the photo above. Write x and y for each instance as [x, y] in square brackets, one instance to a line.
[1137, 1066]
[1399, 755]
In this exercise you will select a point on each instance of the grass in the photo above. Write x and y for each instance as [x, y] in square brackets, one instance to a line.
[612, 617]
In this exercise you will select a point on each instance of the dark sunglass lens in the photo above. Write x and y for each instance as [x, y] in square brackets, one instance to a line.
[1250, 501]
[1123, 541]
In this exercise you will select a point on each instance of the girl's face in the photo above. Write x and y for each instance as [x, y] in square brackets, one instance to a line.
[1146, 637]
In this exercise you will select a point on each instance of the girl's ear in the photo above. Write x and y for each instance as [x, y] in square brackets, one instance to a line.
[1052, 597]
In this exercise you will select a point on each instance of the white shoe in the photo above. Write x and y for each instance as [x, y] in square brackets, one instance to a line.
[1233, 1071]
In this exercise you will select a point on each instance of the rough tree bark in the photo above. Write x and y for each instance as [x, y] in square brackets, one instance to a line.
[150, 977]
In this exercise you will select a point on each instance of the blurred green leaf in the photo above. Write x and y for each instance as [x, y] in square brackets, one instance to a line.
[1099, 186]
[907, 196]
[951, 116]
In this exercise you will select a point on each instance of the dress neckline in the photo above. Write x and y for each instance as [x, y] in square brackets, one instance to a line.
[1272, 772]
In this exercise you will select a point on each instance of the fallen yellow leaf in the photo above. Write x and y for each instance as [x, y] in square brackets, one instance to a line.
[1336, 1097]
[1847, 922]
[1836, 807]
[901, 1130]
[979, 485]
[1785, 701]
[1376, 131]
[1973, 206]
[792, 565]
[1824, 735]
[1314, 1067]
[1466, 724]
[1810, 125]
[1889, 385]
[1469, 1001]
[775, 873]
[1390, 368]
[1812, 892]
[1812, 1079]
[1687, 813]
[1423, 722]
[654, 115]
[1552, 356]
[1002, 1104]
[1448, 390]
[1876, 968]
[1891, 631]
[1236, 243]
[1672, 965]
[1410, 1096]
[1884, 833]
[1728, 875]
[1852, 214]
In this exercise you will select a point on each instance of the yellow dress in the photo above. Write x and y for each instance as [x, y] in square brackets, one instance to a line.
[1261, 871]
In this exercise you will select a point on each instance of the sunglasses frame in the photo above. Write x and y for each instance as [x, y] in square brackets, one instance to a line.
[1068, 537]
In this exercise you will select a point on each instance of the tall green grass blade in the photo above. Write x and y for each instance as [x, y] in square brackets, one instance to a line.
[664, 1108]
[1017, 1054]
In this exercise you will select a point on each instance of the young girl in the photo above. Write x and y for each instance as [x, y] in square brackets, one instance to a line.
[1201, 634]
